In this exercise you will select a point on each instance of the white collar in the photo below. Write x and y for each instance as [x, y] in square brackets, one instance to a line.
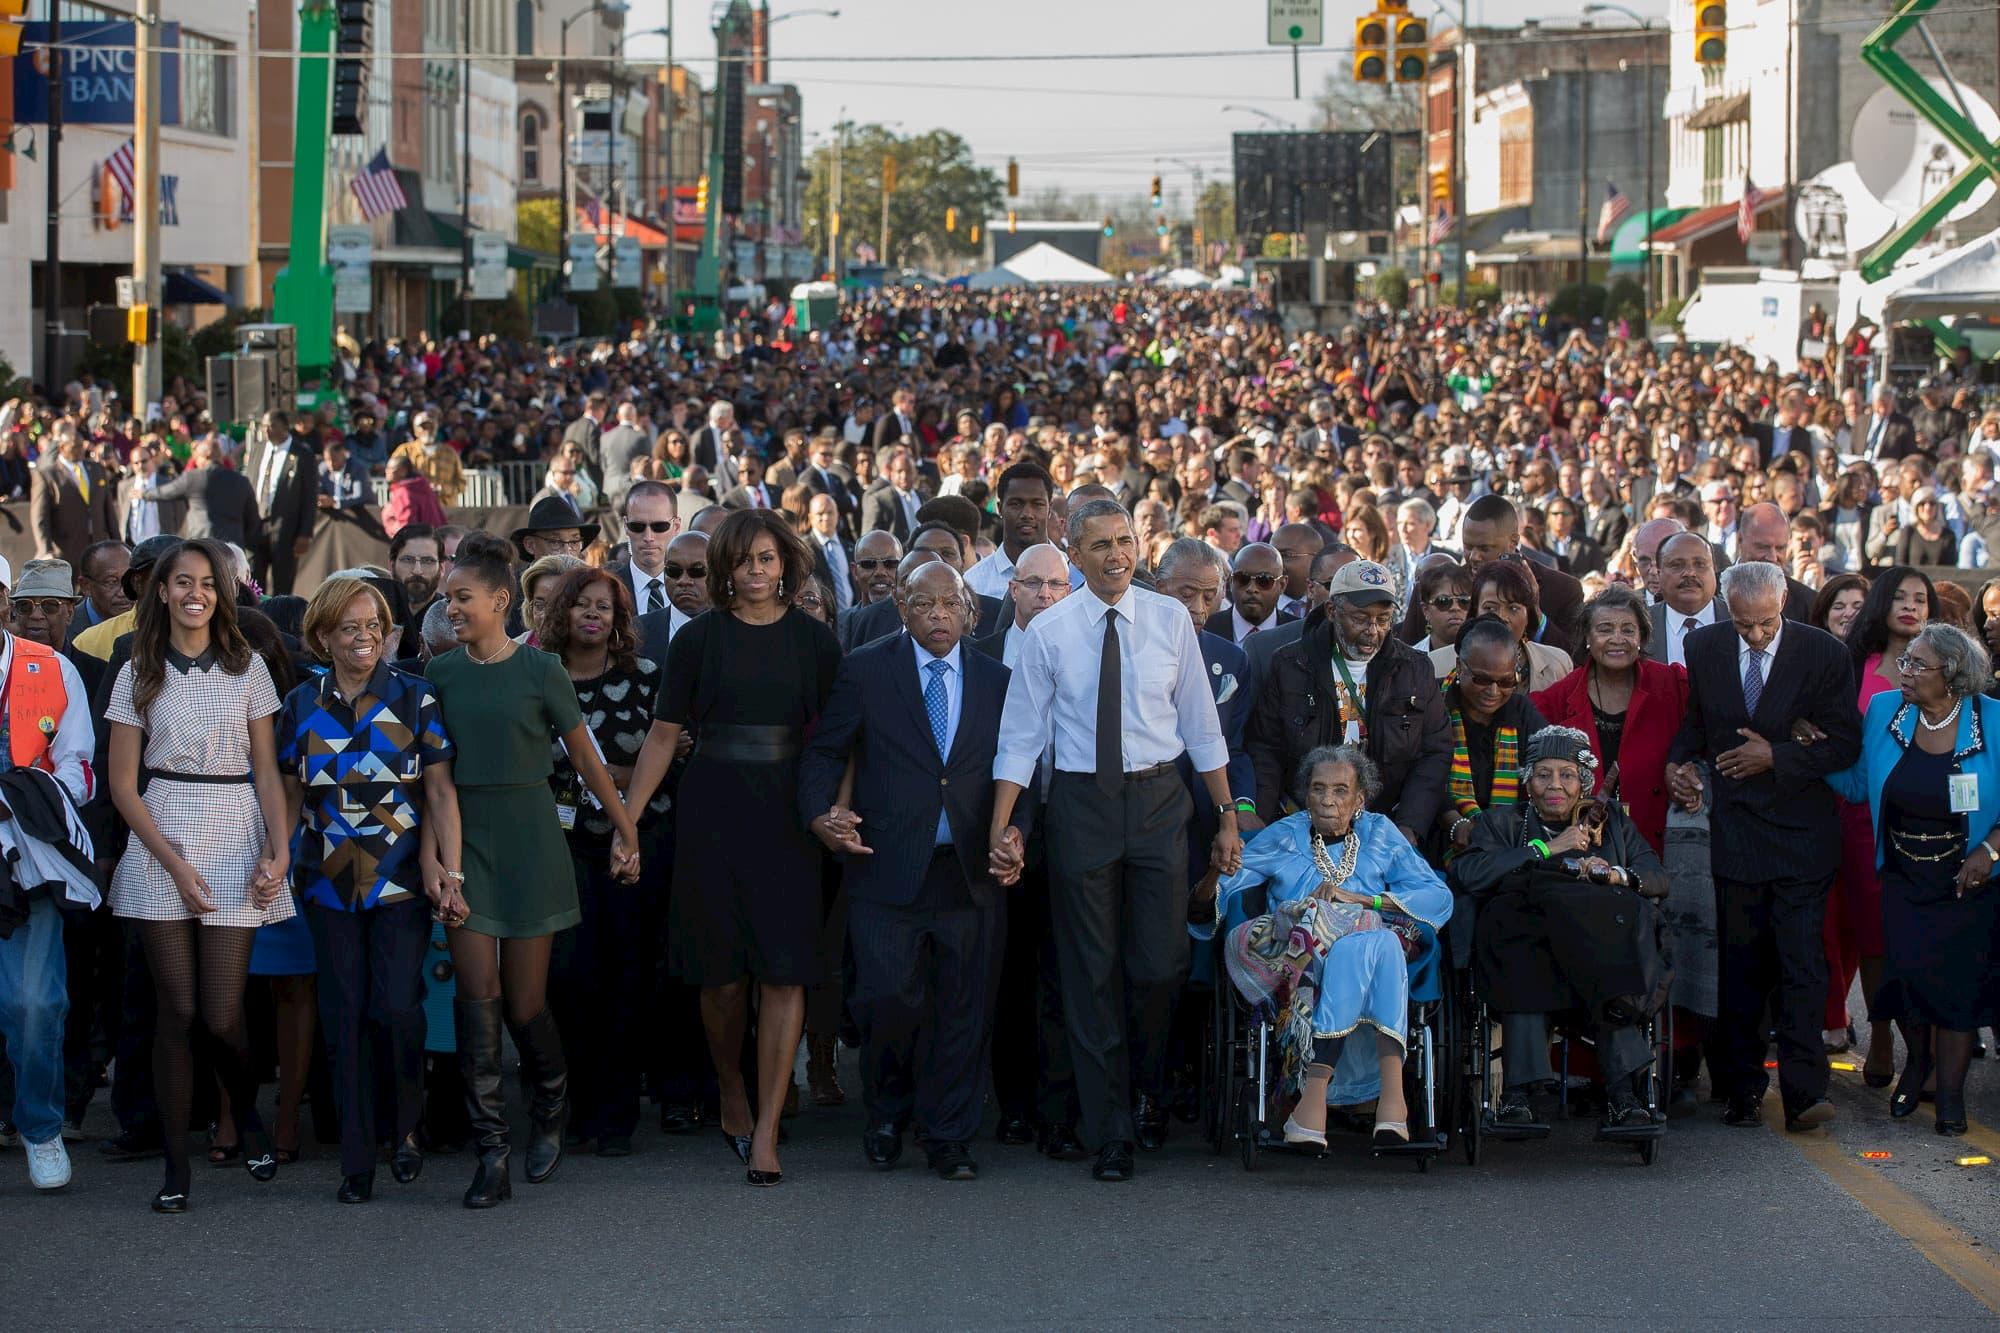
[1770, 649]
[925, 657]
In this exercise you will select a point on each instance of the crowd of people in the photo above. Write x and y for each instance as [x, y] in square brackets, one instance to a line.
[960, 684]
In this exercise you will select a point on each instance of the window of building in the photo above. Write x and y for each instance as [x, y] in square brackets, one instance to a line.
[524, 27]
[531, 147]
[205, 84]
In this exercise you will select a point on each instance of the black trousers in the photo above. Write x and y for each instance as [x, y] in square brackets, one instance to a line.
[1771, 954]
[133, 1099]
[675, 1048]
[1118, 904]
[597, 990]
[94, 953]
[273, 563]
[1033, 1076]
[371, 1006]
[924, 982]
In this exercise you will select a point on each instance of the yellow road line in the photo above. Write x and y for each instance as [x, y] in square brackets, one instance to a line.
[1977, 1135]
[1951, 1250]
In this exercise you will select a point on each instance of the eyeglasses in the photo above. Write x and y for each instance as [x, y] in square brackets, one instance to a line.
[1906, 664]
[417, 561]
[811, 601]
[663, 525]
[555, 543]
[1244, 579]
[1480, 678]
[688, 571]
[1035, 587]
[884, 563]
[45, 606]
[1451, 601]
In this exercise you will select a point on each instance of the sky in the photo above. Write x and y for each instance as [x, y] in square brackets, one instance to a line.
[1102, 125]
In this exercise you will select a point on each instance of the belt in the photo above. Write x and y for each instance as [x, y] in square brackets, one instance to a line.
[225, 779]
[1131, 775]
[749, 745]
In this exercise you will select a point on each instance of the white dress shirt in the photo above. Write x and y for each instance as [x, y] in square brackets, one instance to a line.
[677, 620]
[640, 581]
[1770, 651]
[836, 567]
[1165, 703]
[1241, 629]
[1678, 628]
[954, 706]
[989, 577]
[908, 500]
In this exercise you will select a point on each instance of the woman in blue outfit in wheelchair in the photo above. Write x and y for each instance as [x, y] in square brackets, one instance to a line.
[1566, 888]
[1346, 892]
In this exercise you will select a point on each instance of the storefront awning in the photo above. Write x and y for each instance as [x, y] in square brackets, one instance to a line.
[184, 288]
[1628, 242]
[589, 218]
[1722, 111]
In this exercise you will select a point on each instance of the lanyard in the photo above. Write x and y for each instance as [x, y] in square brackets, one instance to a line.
[1353, 695]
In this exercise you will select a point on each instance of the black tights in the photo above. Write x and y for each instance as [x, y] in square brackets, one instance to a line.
[1953, 1057]
[188, 959]
[517, 971]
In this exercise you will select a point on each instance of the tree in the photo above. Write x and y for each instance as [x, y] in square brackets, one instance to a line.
[538, 224]
[1216, 212]
[1344, 104]
[934, 172]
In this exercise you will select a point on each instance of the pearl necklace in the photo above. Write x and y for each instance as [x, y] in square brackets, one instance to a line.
[1942, 722]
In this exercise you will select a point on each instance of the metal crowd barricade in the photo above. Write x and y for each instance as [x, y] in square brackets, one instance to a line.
[486, 488]
[519, 479]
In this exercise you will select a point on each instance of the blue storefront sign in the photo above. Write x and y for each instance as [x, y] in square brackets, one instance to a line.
[98, 67]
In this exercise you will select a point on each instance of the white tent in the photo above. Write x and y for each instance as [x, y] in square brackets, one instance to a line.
[1965, 281]
[1187, 278]
[1040, 265]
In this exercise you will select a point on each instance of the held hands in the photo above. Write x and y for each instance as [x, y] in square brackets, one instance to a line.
[624, 857]
[1805, 733]
[1226, 852]
[1746, 760]
[269, 880]
[1008, 856]
[839, 829]
[1684, 785]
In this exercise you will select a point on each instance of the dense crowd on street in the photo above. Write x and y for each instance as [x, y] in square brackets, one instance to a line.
[992, 683]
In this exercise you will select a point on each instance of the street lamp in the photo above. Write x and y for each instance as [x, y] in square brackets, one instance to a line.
[1279, 121]
[614, 9]
[1646, 121]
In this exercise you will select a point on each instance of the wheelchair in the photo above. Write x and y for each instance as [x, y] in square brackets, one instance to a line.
[1242, 1064]
[1471, 1087]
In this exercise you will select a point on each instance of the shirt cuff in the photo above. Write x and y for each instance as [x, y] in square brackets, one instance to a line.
[1020, 772]
[1209, 756]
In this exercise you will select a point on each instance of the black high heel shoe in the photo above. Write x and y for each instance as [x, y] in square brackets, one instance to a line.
[756, 1177]
[1909, 1088]
[1951, 1115]
[738, 1144]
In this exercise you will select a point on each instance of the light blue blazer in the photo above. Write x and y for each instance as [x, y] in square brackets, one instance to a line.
[1887, 731]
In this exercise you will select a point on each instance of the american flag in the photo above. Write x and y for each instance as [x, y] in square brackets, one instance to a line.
[1746, 210]
[1442, 224]
[376, 188]
[119, 164]
[1615, 210]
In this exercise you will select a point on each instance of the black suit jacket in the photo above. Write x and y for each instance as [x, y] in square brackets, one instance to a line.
[220, 504]
[882, 511]
[1799, 601]
[1562, 601]
[886, 431]
[1585, 557]
[1782, 823]
[1223, 625]
[865, 624]
[295, 508]
[876, 716]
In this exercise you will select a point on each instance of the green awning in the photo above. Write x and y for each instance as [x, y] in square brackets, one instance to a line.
[447, 235]
[520, 256]
[1628, 240]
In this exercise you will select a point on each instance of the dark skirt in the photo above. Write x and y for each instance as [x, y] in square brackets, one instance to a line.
[1938, 957]
[747, 896]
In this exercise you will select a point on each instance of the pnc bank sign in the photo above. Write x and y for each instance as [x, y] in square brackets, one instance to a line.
[95, 75]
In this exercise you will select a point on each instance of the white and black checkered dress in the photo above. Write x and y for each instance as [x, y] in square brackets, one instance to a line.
[200, 724]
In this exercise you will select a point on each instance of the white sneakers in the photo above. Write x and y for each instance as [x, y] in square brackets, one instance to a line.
[48, 1164]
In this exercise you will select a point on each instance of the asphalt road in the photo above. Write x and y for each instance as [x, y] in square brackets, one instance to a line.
[1730, 1228]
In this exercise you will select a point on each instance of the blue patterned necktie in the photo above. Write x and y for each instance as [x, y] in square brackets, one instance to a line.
[936, 705]
[1753, 681]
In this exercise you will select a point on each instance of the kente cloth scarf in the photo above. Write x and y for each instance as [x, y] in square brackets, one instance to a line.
[1506, 768]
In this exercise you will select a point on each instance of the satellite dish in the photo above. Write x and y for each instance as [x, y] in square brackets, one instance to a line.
[1837, 216]
[1903, 160]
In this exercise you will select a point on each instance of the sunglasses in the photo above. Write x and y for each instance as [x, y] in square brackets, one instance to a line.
[1451, 601]
[662, 525]
[1264, 581]
[690, 571]
[47, 606]
[884, 563]
[1507, 682]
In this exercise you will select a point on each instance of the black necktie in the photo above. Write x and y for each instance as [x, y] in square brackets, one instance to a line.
[1110, 753]
[653, 597]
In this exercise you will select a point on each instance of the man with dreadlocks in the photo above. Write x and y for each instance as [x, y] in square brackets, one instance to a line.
[1567, 921]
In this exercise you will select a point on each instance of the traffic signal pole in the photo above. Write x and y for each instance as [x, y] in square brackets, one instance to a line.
[148, 379]
[302, 293]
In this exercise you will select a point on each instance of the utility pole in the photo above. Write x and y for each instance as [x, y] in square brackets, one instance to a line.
[465, 166]
[52, 378]
[1582, 169]
[1458, 120]
[882, 251]
[147, 377]
[833, 198]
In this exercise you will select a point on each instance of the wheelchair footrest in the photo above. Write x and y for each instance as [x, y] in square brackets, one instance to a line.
[1640, 1133]
[1418, 1146]
[1493, 1129]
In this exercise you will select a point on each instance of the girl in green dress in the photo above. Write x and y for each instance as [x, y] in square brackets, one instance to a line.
[506, 701]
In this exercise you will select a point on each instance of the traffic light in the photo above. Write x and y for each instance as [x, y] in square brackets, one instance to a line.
[888, 174]
[140, 326]
[1413, 55]
[974, 237]
[1010, 222]
[951, 219]
[1109, 229]
[1158, 201]
[1013, 179]
[1371, 49]
[10, 31]
[1441, 186]
[701, 199]
[833, 224]
[1711, 32]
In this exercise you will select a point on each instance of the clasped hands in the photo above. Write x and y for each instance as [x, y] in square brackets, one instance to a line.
[1747, 760]
[840, 830]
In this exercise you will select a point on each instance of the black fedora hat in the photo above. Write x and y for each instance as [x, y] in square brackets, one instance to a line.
[552, 513]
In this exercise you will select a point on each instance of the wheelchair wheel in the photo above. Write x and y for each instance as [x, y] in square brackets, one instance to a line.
[1477, 1068]
[1649, 1151]
[1249, 1122]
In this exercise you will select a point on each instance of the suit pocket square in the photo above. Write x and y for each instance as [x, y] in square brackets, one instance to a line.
[1223, 694]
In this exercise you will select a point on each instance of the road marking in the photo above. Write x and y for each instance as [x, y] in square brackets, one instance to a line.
[1951, 1250]
[1977, 1135]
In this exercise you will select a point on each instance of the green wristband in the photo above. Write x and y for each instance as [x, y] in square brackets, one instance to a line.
[1245, 806]
[1378, 902]
[1541, 847]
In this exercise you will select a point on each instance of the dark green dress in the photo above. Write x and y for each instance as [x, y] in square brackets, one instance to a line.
[518, 879]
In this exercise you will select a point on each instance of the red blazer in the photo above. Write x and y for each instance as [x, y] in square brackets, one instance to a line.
[1659, 698]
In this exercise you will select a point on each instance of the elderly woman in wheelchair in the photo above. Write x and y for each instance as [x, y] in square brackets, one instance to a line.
[1350, 903]
[1566, 888]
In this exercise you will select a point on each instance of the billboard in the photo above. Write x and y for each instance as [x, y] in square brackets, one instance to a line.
[97, 73]
[1289, 181]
